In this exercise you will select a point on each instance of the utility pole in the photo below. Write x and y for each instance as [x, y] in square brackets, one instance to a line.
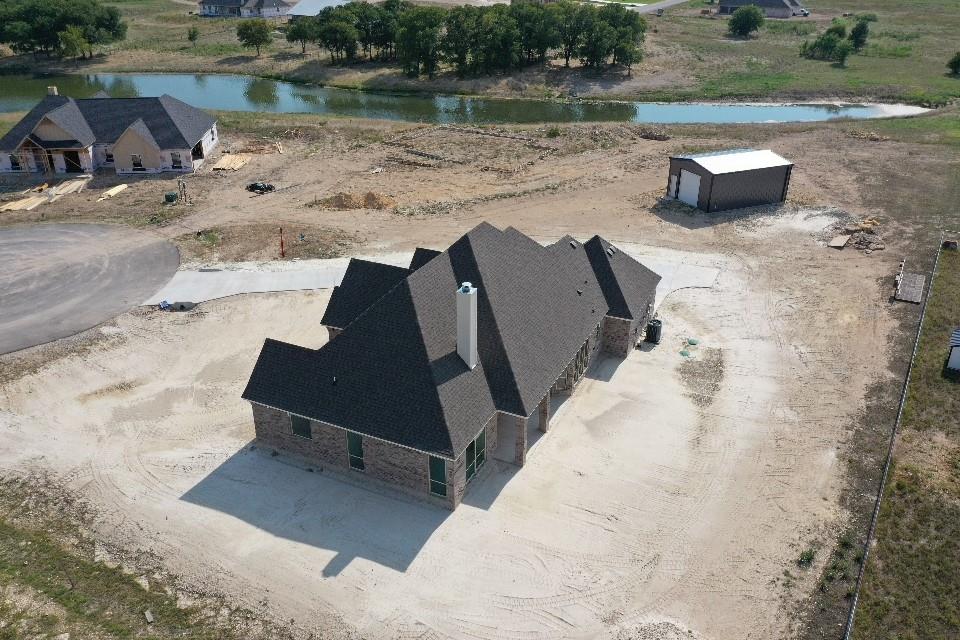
[281, 242]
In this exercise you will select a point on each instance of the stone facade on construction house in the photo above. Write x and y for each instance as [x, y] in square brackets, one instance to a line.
[399, 467]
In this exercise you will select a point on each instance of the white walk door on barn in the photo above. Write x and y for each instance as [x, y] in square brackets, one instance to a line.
[689, 188]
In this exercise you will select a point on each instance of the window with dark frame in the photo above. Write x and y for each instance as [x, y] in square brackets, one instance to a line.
[109, 158]
[301, 427]
[175, 160]
[476, 454]
[14, 163]
[137, 160]
[355, 450]
[438, 476]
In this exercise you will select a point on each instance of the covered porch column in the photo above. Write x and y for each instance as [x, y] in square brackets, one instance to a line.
[544, 409]
[521, 450]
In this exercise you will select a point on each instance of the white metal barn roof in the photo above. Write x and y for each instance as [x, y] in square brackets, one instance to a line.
[313, 7]
[738, 160]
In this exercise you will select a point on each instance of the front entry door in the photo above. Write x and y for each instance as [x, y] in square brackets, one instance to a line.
[689, 188]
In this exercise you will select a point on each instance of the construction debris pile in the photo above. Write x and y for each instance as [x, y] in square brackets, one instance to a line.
[862, 236]
[36, 196]
[368, 200]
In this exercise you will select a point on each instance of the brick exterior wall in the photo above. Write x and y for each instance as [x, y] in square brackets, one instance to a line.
[398, 467]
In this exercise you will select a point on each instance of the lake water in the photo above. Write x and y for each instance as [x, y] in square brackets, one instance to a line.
[244, 93]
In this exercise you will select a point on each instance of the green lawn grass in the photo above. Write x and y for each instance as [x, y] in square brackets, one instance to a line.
[911, 588]
[905, 58]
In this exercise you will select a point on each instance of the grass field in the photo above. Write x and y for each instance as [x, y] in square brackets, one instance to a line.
[912, 583]
[51, 581]
[905, 59]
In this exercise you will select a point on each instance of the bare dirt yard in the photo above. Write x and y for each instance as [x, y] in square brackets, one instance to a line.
[674, 494]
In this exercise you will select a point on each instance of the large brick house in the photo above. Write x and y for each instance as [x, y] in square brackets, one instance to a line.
[128, 135]
[433, 369]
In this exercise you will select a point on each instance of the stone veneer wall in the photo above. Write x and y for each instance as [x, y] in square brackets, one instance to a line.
[399, 467]
[620, 335]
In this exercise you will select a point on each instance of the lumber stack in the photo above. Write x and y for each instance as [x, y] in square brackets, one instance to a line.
[109, 193]
[44, 193]
[232, 162]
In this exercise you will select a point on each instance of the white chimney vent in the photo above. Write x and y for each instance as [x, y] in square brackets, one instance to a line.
[467, 324]
[52, 91]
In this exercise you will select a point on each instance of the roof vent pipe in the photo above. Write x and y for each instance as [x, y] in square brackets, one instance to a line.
[467, 324]
[53, 91]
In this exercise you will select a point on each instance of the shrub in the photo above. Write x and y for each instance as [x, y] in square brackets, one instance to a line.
[745, 21]
[954, 64]
[859, 33]
[806, 558]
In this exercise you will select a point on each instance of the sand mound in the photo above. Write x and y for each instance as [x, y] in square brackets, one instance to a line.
[368, 200]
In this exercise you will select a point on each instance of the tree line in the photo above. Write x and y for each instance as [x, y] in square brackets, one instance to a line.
[59, 27]
[473, 39]
[836, 43]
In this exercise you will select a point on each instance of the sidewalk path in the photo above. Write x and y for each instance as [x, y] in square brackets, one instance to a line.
[230, 279]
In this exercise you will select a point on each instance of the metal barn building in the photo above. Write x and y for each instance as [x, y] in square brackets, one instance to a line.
[729, 179]
[953, 361]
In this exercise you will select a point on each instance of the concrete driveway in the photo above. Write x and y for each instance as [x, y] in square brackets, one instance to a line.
[59, 279]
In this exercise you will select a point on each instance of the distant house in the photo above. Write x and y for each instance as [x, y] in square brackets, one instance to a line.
[132, 135]
[434, 369]
[953, 361]
[770, 8]
[245, 8]
[732, 179]
[312, 8]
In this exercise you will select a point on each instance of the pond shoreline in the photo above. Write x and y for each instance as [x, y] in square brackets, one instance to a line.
[241, 92]
[101, 64]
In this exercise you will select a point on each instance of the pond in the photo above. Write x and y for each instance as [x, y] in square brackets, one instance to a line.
[245, 93]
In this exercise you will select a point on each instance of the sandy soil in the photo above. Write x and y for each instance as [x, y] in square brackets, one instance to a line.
[671, 494]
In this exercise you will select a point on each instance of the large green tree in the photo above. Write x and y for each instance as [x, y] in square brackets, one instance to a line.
[460, 38]
[745, 21]
[418, 39]
[303, 30]
[567, 19]
[37, 25]
[255, 33]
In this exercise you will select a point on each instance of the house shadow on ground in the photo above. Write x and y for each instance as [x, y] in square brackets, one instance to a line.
[353, 517]
[321, 509]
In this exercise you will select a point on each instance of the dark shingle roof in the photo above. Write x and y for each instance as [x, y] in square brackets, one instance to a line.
[627, 285]
[173, 124]
[12, 139]
[421, 257]
[363, 284]
[398, 375]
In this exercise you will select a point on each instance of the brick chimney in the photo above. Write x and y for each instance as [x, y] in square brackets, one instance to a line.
[467, 324]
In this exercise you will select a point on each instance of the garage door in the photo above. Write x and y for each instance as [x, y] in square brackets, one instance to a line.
[689, 188]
